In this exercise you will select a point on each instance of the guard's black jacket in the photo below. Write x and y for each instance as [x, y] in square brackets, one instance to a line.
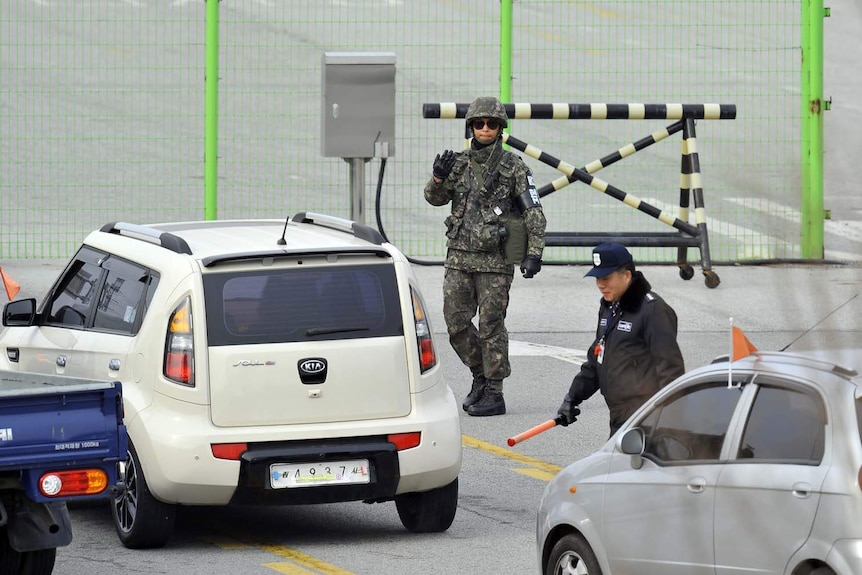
[641, 354]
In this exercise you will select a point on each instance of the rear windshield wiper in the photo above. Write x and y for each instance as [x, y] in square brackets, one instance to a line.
[328, 330]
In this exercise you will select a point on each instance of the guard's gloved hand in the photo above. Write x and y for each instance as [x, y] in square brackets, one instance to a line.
[531, 266]
[443, 164]
[567, 413]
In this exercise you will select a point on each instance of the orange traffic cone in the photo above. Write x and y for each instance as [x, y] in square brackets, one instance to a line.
[12, 287]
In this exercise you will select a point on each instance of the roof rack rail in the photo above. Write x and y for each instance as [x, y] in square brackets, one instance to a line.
[154, 236]
[360, 231]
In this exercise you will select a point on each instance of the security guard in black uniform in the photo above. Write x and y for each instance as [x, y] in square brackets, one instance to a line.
[635, 352]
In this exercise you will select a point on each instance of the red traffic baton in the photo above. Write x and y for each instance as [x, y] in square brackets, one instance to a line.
[534, 431]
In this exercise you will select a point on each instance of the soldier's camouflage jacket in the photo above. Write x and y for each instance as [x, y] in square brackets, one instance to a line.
[473, 226]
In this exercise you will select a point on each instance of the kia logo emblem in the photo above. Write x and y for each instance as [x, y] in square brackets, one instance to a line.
[312, 366]
[312, 370]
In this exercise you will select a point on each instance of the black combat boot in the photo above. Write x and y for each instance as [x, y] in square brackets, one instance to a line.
[477, 389]
[492, 400]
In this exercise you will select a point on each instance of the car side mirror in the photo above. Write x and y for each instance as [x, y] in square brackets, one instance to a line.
[632, 443]
[20, 312]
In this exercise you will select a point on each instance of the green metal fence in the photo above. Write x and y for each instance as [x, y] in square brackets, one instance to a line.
[103, 112]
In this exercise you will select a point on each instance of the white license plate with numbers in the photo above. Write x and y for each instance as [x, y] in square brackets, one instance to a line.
[283, 475]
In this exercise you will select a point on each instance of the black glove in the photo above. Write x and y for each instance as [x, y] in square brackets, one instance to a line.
[531, 266]
[443, 164]
[567, 413]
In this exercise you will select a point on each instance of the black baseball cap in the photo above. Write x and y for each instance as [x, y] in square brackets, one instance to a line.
[608, 257]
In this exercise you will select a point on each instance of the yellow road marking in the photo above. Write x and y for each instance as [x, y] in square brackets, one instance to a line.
[302, 564]
[316, 565]
[536, 465]
[287, 568]
[535, 473]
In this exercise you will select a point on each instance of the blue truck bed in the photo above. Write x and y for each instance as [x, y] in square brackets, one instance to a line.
[61, 438]
[51, 422]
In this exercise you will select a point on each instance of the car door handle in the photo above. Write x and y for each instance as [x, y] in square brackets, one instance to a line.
[697, 485]
[802, 490]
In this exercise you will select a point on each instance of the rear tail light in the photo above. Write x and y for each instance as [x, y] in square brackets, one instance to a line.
[74, 482]
[231, 451]
[403, 441]
[427, 353]
[179, 365]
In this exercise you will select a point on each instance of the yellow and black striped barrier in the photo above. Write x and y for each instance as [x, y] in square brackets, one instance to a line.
[593, 166]
[583, 175]
[526, 111]
[686, 235]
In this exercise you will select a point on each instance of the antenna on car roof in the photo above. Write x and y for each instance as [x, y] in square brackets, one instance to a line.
[819, 322]
[281, 241]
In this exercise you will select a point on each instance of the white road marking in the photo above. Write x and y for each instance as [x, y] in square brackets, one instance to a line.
[756, 239]
[724, 228]
[851, 230]
[526, 348]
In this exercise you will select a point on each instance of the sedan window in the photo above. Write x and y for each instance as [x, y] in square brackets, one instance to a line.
[784, 425]
[690, 425]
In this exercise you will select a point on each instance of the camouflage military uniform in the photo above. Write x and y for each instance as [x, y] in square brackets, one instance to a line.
[482, 187]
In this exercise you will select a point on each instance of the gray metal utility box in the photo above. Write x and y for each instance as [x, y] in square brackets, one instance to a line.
[358, 105]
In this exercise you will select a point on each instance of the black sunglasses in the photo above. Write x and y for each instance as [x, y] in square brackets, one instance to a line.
[479, 124]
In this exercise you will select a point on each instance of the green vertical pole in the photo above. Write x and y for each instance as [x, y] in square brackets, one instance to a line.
[813, 106]
[506, 52]
[211, 113]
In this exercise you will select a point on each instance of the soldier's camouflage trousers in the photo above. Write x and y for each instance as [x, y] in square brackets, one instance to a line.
[463, 294]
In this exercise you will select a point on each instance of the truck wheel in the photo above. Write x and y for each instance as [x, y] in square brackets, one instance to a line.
[141, 520]
[13, 562]
[428, 511]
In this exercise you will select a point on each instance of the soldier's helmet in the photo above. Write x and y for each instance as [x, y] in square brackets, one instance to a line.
[486, 107]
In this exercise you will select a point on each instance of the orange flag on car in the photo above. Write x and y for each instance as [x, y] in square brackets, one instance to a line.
[739, 348]
[741, 345]
[12, 287]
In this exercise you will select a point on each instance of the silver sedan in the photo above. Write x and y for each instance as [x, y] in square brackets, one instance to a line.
[749, 467]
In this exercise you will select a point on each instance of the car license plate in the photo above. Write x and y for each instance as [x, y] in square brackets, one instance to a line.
[284, 475]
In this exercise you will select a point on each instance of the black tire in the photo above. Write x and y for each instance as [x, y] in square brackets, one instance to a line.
[13, 562]
[822, 570]
[141, 520]
[428, 511]
[572, 555]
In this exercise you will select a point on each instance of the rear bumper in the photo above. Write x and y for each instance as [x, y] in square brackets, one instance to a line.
[173, 440]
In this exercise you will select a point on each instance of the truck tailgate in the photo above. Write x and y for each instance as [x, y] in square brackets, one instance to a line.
[55, 421]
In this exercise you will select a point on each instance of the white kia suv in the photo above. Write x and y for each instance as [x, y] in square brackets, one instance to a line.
[263, 362]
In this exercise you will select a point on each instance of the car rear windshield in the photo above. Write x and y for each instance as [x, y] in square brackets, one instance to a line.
[294, 305]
